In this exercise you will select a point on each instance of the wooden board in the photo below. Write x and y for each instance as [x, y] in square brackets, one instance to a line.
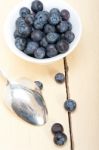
[15, 134]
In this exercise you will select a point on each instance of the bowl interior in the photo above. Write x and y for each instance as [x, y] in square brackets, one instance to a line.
[10, 28]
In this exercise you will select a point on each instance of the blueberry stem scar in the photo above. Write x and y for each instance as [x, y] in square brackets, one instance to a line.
[66, 69]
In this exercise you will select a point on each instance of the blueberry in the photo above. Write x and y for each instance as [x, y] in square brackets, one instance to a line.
[39, 84]
[54, 19]
[17, 34]
[60, 138]
[57, 127]
[52, 37]
[31, 47]
[37, 35]
[20, 43]
[44, 42]
[54, 10]
[25, 30]
[49, 28]
[70, 105]
[37, 6]
[29, 19]
[62, 46]
[63, 36]
[51, 51]
[62, 27]
[41, 19]
[69, 26]
[69, 36]
[39, 53]
[24, 11]
[65, 14]
[20, 22]
[59, 77]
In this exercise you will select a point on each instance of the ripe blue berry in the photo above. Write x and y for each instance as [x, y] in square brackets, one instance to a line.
[69, 36]
[24, 12]
[17, 34]
[52, 37]
[59, 77]
[70, 105]
[55, 10]
[37, 35]
[60, 138]
[69, 26]
[56, 128]
[54, 19]
[62, 46]
[44, 42]
[37, 6]
[49, 28]
[39, 53]
[65, 14]
[62, 27]
[20, 43]
[25, 30]
[20, 22]
[51, 51]
[31, 47]
[29, 19]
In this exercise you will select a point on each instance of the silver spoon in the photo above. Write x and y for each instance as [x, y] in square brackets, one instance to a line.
[25, 99]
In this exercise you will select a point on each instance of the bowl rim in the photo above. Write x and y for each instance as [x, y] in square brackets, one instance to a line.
[24, 56]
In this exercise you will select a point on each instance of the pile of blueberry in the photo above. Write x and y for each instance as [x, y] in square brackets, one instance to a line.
[42, 34]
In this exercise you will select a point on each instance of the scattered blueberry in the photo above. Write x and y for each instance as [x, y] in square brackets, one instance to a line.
[51, 51]
[39, 84]
[70, 105]
[54, 19]
[39, 53]
[65, 14]
[57, 127]
[52, 37]
[55, 10]
[31, 47]
[44, 42]
[24, 12]
[20, 43]
[69, 35]
[49, 28]
[59, 77]
[62, 46]
[37, 6]
[37, 35]
[29, 19]
[60, 138]
[62, 27]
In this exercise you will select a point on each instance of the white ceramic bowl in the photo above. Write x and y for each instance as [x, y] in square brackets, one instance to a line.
[48, 4]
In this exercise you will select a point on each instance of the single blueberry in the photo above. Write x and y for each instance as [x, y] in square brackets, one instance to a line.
[31, 47]
[38, 25]
[69, 36]
[44, 42]
[51, 51]
[24, 11]
[52, 37]
[20, 43]
[20, 22]
[59, 77]
[17, 34]
[54, 19]
[56, 128]
[37, 35]
[39, 53]
[65, 14]
[60, 138]
[29, 19]
[70, 105]
[62, 46]
[39, 84]
[69, 26]
[37, 6]
[49, 28]
[62, 27]
[25, 30]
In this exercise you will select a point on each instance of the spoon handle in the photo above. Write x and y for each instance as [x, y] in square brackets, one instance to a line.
[4, 76]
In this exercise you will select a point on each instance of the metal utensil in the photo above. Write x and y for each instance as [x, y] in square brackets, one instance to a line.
[25, 99]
